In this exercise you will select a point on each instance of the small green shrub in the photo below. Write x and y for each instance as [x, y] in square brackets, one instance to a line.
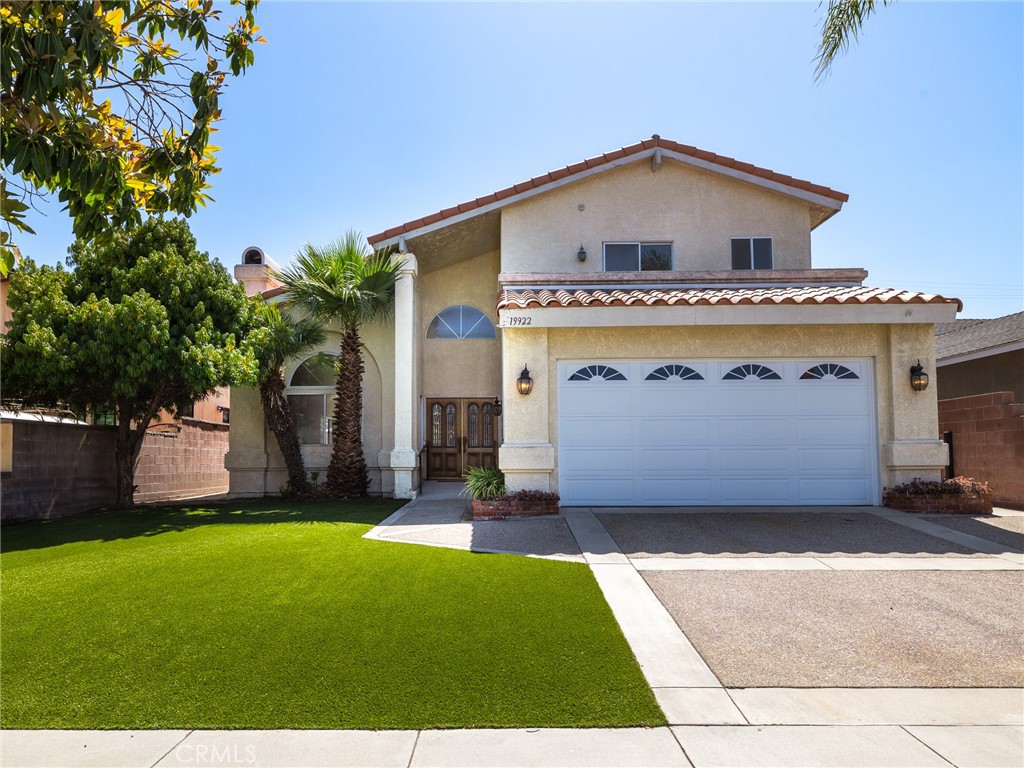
[485, 484]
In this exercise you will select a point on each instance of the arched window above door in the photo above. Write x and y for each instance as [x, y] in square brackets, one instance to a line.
[461, 322]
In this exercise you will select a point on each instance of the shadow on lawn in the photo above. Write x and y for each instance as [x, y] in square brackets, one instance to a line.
[110, 525]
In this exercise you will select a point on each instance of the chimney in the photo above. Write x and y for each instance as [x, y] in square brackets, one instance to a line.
[255, 271]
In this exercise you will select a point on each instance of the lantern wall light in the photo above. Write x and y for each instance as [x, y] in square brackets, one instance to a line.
[918, 378]
[524, 384]
[581, 254]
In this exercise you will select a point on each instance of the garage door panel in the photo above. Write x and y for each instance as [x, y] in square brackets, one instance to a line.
[760, 430]
[754, 459]
[743, 398]
[754, 490]
[588, 432]
[674, 401]
[835, 490]
[665, 491]
[594, 400]
[817, 399]
[599, 491]
[599, 460]
[832, 459]
[675, 460]
[772, 437]
[823, 430]
[675, 431]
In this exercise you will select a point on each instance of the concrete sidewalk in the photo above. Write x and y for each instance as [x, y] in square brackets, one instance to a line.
[877, 746]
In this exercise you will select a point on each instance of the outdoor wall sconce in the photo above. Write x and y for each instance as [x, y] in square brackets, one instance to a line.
[581, 254]
[918, 378]
[524, 383]
[497, 407]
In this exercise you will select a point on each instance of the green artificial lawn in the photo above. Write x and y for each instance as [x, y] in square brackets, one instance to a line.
[278, 615]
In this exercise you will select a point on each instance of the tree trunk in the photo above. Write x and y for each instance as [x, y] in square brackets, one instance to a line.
[128, 447]
[347, 475]
[278, 415]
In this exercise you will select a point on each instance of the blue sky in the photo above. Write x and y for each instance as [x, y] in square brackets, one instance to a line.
[368, 115]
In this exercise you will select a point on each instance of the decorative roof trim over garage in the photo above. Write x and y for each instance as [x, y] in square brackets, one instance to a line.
[655, 147]
[653, 297]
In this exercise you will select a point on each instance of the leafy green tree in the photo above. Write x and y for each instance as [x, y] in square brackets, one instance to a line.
[278, 339]
[142, 323]
[347, 283]
[146, 148]
[840, 26]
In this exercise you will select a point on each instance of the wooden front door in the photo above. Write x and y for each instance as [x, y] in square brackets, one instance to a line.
[461, 433]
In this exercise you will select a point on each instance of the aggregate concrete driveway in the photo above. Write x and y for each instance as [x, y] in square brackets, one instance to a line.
[848, 629]
[888, 605]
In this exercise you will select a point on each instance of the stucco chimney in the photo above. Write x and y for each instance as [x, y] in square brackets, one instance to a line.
[255, 271]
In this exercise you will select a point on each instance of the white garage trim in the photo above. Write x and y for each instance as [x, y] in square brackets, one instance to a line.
[717, 432]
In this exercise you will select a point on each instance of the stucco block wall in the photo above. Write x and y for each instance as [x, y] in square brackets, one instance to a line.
[988, 442]
[696, 210]
[183, 465]
[998, 373]
[460, 367]
[907, 428]
[63, 469]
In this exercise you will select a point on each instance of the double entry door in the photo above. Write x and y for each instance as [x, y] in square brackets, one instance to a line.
[461, 433]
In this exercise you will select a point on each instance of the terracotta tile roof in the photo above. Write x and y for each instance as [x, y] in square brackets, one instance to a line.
[608, 157]
[962, 337]
[652, 297]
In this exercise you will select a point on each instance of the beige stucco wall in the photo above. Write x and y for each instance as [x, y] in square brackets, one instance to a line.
[460, 367]
[254, 459]
[907, 421]
[696, 210]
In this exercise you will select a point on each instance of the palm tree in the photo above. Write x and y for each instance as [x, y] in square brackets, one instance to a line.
[280, 339]
[841, 25]
[345, 282]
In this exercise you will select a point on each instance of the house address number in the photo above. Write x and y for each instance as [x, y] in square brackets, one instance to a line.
[516, 321]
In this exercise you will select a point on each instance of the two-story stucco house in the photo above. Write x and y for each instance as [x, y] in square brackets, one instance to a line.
[659, 305]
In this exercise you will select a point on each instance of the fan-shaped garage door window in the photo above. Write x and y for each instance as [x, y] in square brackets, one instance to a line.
[460, 322]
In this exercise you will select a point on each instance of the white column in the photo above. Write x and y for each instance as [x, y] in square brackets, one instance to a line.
[403, 456]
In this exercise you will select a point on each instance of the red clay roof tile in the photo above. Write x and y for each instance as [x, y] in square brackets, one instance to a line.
[530, 299]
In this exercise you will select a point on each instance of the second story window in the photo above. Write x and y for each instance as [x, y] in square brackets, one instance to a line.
[751, 253]
[637, 257]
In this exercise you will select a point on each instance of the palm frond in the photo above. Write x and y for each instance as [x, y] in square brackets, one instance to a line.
[342, 280]
[841, 26]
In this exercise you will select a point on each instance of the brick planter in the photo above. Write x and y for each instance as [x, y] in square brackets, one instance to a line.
[944, 503]
[499, 510]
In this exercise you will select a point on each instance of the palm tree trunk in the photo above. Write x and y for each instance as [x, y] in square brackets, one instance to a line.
[279, 419]
[347, 475]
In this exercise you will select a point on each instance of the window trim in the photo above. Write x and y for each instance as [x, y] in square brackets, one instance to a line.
[324, 391]
[751, 240]
[639, 254]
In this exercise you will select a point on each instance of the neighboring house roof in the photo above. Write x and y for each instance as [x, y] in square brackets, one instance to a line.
[979, 337]
[700, 157]
[809, 295]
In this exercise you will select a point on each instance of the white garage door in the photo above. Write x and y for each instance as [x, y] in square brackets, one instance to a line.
[724, 432]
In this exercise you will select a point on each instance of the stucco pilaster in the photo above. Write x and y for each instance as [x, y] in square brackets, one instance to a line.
[526, 455]
[914, 448]
[403, 455]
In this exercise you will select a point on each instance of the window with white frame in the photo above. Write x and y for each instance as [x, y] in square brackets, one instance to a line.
[637, 257]
[311, 397]
[752, 253]
[460, 322]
